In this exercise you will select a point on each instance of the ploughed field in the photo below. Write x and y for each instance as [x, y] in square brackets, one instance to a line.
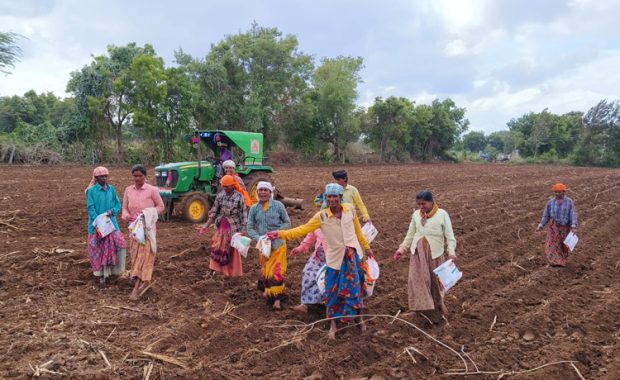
[508, 314]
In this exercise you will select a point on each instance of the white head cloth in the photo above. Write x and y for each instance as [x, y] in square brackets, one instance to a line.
[229, 164]
[264, 185]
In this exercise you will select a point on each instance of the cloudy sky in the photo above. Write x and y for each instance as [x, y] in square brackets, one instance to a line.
[498, 58]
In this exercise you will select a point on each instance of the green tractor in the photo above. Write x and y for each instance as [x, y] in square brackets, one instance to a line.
[192, 185]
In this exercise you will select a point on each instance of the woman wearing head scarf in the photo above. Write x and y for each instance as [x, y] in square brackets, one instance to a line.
[229, 169]
[429, 230]
[269, 215]
[561, 216]
[142, 200]
[106, 253]
[344, 276]
[310, 292]
[229, 214]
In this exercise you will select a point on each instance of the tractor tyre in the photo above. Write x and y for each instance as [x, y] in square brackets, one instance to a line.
[252, 180]
[196, 207]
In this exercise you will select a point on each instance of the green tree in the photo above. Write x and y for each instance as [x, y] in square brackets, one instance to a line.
[105, 87]
[388, 126]
[600, 138]
[10, 52]
[163, 100]
[474, 141]
[447, 124]
[335, 87]
[251, 81]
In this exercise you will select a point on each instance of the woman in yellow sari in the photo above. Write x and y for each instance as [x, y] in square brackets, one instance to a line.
[270, 215]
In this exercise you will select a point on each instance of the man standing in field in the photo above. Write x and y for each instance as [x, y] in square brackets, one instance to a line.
[351, 194]
[344, 276]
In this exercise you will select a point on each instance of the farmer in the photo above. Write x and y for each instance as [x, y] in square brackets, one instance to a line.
[269, 215]
[107, 254]
[310, 291]
[229, 168]
[142, 199]
[344, 277]
[561, 216]
[229, 215]
[351, 194]
[429, 230]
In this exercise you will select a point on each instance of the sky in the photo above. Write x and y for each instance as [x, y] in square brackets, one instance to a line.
[499, 59]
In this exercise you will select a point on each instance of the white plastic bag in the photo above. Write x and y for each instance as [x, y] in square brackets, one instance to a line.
[103, 225]
[264, 246]
[370, 232]
[241, 243]
[372, 274]
[137, 230]
[448, 274]
[571, 241]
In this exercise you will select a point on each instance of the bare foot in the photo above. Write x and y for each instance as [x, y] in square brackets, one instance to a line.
[134, 296]
[300, 308]
[331, 335]
[276, 305]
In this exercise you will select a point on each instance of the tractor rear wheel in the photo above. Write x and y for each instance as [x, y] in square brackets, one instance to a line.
[196, 207]
[251, 181]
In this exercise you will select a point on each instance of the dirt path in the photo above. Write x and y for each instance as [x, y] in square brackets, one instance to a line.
[51, 309]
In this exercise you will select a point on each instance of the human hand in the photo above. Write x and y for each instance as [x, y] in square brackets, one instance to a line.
[109, 213]
[452, 257]
[574, 230]
[272, 235]
[295, 251]
[538, 229]
[203, 229]
[398, 254]
[369, 253]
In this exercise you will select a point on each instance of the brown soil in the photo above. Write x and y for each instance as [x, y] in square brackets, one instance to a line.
[52, 309]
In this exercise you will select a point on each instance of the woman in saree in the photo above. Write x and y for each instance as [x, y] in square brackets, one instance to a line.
[106, 253]
[345, 259]
[269, 215]
[429, 231]
[561, 217]
[229, 215]
[142, 199]
[310, 291]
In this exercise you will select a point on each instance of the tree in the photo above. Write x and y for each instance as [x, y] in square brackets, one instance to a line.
[9, 51]
[335, 88]
[600, 138]
[505, 141]
[474, 141]
[388, 126]
[163, 100]
[105, 87]
[251, 81]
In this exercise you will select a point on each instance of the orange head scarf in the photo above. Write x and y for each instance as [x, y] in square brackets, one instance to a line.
[228, 180]
[558, 187]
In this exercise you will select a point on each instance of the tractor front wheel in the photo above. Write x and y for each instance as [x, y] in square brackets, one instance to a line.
[196, 207]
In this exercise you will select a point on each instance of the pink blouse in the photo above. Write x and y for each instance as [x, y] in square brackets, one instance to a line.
[315, 237]
[135, 200]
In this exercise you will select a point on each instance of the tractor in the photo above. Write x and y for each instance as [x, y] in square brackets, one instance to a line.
[193, 185]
